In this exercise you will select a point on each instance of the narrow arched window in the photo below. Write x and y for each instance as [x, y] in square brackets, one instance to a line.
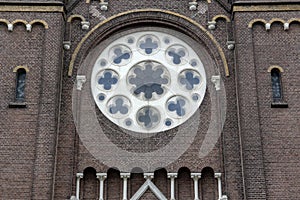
[276, 85]
[20, 85]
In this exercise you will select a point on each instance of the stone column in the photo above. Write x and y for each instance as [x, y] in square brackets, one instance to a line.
[218, 176]
[196, 177]
[172, 176]
[125, 176]
[78, 177]
[101, 177]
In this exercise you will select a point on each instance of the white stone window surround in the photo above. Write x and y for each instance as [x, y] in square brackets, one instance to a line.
[179, 81]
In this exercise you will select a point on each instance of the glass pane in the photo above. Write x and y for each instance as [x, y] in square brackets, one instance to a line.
[276, 84]
[21, 76]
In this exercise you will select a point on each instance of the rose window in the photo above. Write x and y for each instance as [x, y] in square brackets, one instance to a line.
[148, 81]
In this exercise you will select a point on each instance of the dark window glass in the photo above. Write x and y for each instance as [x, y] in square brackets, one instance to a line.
[20, 89]
[276, 84]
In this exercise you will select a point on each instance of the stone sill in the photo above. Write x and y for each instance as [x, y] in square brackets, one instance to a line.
[279, 104]
[17, 105]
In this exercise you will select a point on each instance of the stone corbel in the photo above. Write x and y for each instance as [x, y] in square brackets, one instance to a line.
[286, 26]
[28, 27]
[216, 80]
[67, 45]
[80, 80]
[85, 25]
[230, 45]
[212, 25]
[103, 5]
[10, 27]
[193, 5]
[268, 26]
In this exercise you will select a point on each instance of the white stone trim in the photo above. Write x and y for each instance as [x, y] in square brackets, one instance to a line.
[78, 177]
[218, 177]
[125, 176]
[101, 177]
[183, 79]
[10, 27]
[148, 184]
[196, 177]
[216, 80]
[80, 80]
[172, 176]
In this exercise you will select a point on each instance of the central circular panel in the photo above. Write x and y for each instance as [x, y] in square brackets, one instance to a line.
[148, 81]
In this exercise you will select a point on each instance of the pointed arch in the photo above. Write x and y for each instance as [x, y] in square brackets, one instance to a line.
[215, 43]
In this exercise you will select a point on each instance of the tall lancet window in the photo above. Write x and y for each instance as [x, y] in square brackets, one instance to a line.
[277, 92]
[276, 85]
[20, 86]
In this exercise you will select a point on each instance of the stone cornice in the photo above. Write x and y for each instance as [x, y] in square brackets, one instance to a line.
[257, 6]
[26, 6]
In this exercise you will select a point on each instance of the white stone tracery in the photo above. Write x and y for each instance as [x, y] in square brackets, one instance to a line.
[148, 81]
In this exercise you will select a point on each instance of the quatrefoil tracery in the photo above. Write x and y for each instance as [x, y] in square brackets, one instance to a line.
[150, 81]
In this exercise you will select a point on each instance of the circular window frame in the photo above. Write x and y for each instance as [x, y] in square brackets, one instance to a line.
[173, 39]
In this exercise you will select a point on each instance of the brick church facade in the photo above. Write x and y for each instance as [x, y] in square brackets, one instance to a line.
[162, 99]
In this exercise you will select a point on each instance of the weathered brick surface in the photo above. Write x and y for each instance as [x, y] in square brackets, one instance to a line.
[41, 150]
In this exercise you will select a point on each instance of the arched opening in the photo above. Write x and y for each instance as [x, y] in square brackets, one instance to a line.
[184, 184]
[208, 184]
[136, 180]
[113, 184]
[90, 184]
[161, 180]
